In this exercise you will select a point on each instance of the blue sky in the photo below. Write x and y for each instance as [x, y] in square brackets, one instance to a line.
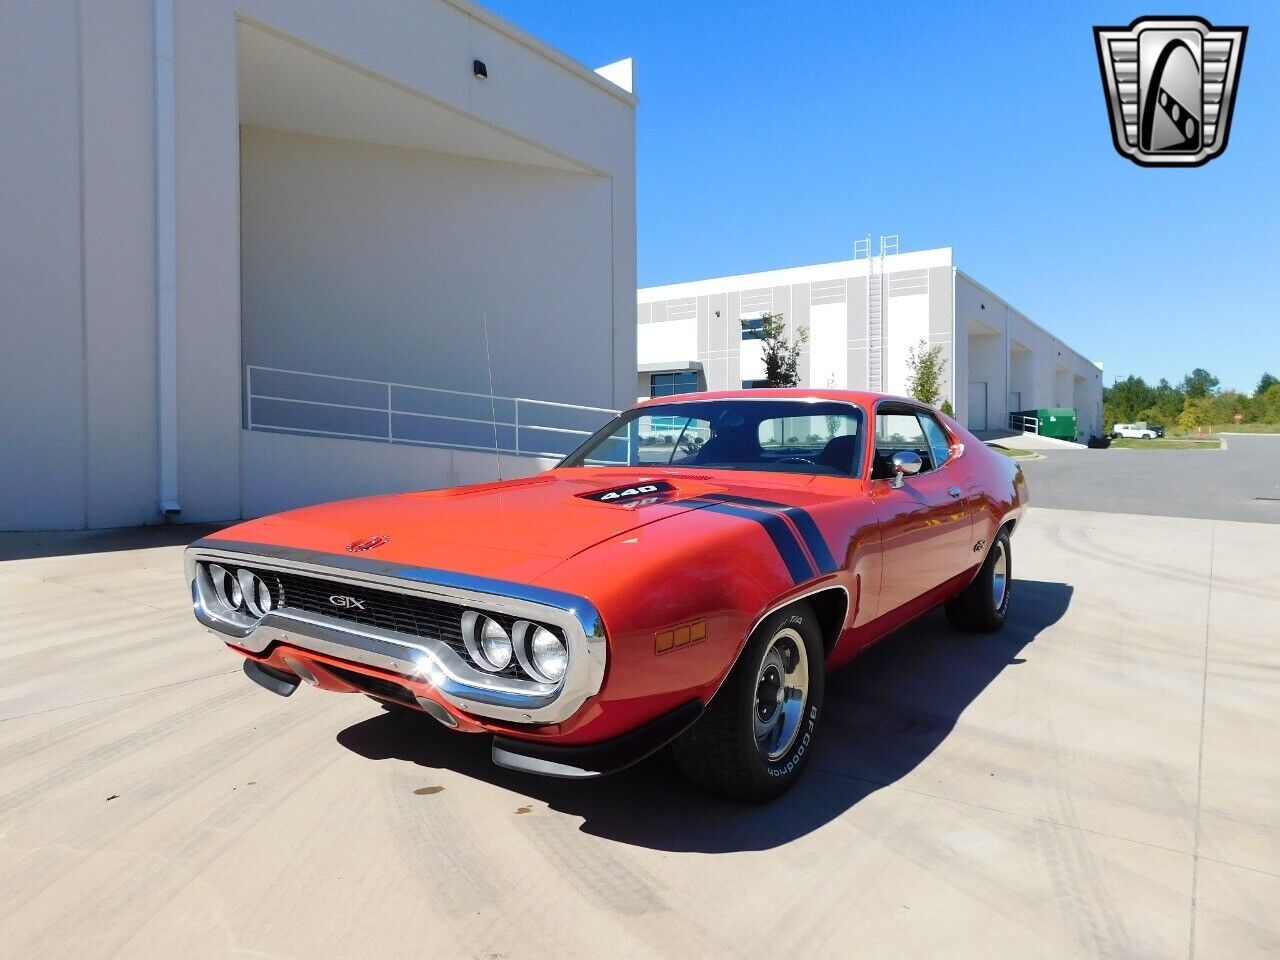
[774, 134]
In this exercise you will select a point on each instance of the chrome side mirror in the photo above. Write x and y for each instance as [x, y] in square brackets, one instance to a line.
[905, 463]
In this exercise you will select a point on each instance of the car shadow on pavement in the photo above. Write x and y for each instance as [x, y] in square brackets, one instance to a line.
[884, 714]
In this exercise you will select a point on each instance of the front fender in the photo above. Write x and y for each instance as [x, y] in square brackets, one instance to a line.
[679, 598]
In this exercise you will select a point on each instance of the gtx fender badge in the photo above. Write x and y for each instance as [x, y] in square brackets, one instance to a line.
[1170, 85]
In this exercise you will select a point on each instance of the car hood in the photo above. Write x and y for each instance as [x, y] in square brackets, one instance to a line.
[511, 530]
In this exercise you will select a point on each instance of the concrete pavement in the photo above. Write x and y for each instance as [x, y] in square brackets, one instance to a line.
[1101, 779]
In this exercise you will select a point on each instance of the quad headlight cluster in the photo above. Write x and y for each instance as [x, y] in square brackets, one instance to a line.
[540, 653]
[240, 591]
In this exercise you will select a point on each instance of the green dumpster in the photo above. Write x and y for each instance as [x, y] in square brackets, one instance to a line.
[1058, 422]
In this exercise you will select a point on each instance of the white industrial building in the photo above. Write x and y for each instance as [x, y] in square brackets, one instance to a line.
[252, 249]
[863, 316]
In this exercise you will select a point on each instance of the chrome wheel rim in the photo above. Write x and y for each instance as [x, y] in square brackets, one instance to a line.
[782, 690]
[999, 575]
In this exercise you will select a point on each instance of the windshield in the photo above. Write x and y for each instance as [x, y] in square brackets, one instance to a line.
[787, 436]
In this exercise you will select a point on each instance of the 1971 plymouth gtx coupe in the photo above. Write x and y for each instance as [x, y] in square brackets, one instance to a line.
[686, 577]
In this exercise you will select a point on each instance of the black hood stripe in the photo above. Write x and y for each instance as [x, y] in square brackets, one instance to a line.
[813, 539]
[783, 537]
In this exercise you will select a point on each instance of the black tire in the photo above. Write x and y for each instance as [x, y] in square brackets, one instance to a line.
[720, 752]
[976, 608]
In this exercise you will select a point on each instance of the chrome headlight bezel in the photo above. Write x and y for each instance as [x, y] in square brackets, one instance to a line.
[524, 633]
[475, 626]
[235, 594]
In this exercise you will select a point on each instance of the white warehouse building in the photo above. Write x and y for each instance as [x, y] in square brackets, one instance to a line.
[863, 316]
[262, 253]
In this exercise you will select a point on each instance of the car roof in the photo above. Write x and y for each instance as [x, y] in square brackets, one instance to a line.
[862, 398]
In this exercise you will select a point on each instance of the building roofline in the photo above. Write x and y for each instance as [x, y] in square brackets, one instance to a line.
[1048, 333]
[837, 269]
[510, 30]
[675, 366]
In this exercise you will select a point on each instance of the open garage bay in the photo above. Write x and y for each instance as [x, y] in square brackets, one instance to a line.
[1100, 779]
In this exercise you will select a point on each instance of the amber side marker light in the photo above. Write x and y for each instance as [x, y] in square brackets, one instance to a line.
[681, 636]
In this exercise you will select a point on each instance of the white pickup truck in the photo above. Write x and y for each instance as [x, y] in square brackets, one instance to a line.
[1141, 430]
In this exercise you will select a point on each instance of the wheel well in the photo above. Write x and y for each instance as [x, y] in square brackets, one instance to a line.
[830, 607]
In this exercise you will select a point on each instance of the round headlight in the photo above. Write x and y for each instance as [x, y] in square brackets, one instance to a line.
[256, 593]
[486, 641]
[547, 654]
[495, 644]
[264, 597]
[226, 586]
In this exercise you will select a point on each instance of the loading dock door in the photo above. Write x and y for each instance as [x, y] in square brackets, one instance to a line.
[978, 405]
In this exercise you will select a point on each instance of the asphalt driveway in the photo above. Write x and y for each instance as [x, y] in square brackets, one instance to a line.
[1240, 482]
[1101, 779]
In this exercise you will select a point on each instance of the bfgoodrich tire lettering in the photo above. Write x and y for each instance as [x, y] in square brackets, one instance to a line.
[758, 732]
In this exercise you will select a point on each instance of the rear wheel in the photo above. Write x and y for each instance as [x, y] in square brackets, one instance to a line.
[983, 605]
[754, 739]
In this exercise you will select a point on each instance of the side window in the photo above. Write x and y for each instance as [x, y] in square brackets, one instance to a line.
[939, 444]
[896, 432]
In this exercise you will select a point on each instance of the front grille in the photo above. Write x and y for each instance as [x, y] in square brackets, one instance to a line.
[374, 686]
[382, 609]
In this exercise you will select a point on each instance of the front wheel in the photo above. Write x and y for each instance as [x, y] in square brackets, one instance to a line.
[756, 735]
[983, 605]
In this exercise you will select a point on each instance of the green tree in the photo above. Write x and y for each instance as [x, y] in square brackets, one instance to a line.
[1125, 399]
[925, 366]
[1265, 384]
[1190, 418]
[1167, 404]
[1110, 416]
[1199, 383]
[781, 353]
[1224, 406]
[1266, 405]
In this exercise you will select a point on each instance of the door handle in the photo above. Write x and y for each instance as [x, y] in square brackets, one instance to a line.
[955, 492]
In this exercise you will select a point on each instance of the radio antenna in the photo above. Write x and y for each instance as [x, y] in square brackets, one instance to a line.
[493, 405]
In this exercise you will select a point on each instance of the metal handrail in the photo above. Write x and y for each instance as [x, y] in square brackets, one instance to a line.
[1024, 424]
[529, 422]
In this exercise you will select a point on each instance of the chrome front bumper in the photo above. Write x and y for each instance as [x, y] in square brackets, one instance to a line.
[427, 659]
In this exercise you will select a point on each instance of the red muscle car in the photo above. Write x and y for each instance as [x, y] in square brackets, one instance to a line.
[686, 578]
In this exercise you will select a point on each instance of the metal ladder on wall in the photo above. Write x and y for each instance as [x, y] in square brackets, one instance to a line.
[876, 339]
